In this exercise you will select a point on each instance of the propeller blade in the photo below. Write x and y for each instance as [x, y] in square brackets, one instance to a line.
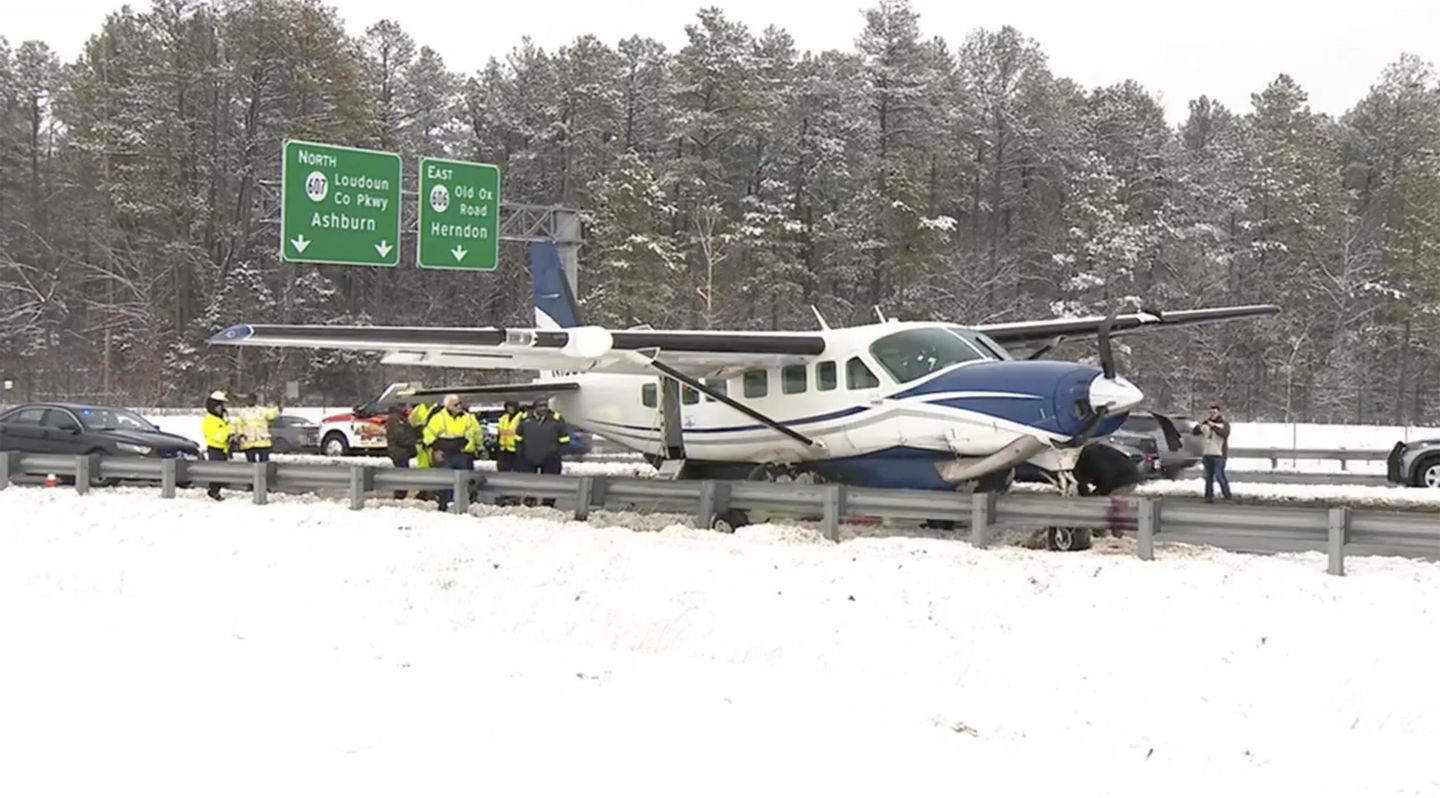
[1107, 355]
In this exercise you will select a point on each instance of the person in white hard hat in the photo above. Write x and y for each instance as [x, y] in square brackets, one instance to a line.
[218, 434]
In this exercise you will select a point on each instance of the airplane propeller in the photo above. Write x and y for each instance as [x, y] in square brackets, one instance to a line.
[1107, 355]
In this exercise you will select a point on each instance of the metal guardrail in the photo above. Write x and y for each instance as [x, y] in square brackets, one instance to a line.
[1245, 528]
[1298, 477]
[1275, 455]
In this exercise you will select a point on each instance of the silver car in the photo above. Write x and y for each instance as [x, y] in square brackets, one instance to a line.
[1415, 463]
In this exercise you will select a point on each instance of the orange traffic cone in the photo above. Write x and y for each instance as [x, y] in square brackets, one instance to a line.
[51, 481]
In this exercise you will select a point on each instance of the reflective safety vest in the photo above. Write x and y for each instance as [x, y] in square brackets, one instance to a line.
[506, 431]
[254, 426]
[444, 427]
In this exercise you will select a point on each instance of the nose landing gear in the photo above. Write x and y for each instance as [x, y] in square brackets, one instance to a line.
[1101, 471]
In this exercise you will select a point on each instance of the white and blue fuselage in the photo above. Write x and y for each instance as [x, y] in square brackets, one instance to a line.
[870, 427]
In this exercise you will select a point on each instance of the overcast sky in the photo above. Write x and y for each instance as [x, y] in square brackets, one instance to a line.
[1225, 48]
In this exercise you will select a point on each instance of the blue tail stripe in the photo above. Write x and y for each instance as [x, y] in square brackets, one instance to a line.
[551, 289]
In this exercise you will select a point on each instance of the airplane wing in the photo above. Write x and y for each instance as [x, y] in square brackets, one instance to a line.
[520, 391]
[699, 353]
[1021, 333]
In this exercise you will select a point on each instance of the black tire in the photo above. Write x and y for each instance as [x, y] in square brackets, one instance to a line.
[1426, 473]
[938, 523]
[336, 441]
[1067, 538]
[727, 522]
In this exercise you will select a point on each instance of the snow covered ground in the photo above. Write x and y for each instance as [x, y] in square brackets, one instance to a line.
[302, 649]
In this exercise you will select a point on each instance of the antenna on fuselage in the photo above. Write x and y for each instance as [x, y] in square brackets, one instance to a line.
[880, 314]
[823, 324]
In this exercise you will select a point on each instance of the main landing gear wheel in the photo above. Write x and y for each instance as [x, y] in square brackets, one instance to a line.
[782, 472]
[727, 522]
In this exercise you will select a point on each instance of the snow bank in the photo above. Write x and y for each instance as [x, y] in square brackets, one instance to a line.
[300, 648]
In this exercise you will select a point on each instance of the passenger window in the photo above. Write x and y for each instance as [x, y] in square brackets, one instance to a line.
[757, 383]
[688, 395]
[859, 376]
[718, 386]
[825, 379]
[792, 379]
[649, 395]
[30, 415]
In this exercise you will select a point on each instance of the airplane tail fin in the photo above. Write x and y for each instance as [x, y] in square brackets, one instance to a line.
[555, 305]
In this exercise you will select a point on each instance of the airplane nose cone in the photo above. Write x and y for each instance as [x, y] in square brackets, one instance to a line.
[1117, 393]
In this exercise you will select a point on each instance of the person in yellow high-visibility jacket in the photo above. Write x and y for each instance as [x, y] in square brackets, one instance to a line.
[452, 435]
[507, 439]
[253, 424]
[218, 434]
[419, 417]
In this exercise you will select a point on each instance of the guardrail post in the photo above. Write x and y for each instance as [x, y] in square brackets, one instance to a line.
[1339, 533]
[1147, 524]
[260, 482]
[9, 466]
[834, 509]
[705, 513]
[169, 475]
[982, 515]
[362, 479]
[582, 498]
[460, 504]
[85, 465]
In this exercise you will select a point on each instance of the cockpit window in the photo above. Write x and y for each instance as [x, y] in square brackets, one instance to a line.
[911, 354]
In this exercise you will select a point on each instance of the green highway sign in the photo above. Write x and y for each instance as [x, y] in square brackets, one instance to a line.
[459, 225]
[340, 205]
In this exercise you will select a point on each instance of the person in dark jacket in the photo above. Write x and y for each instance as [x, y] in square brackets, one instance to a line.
[539, 440]
[400, 440]
[1215, 434]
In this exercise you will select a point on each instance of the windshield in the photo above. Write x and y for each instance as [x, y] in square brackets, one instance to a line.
[113, 418]
[911, 354]
[983, 342]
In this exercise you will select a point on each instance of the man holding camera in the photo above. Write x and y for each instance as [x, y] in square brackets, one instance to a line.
[1215, 434]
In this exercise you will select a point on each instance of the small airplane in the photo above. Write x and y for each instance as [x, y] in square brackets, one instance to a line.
[894, 404]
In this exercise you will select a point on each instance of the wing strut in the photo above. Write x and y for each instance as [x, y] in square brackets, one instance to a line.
[670, 424]
[723, 399]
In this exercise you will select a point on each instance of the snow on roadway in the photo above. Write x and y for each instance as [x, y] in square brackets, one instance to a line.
[300, 648]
